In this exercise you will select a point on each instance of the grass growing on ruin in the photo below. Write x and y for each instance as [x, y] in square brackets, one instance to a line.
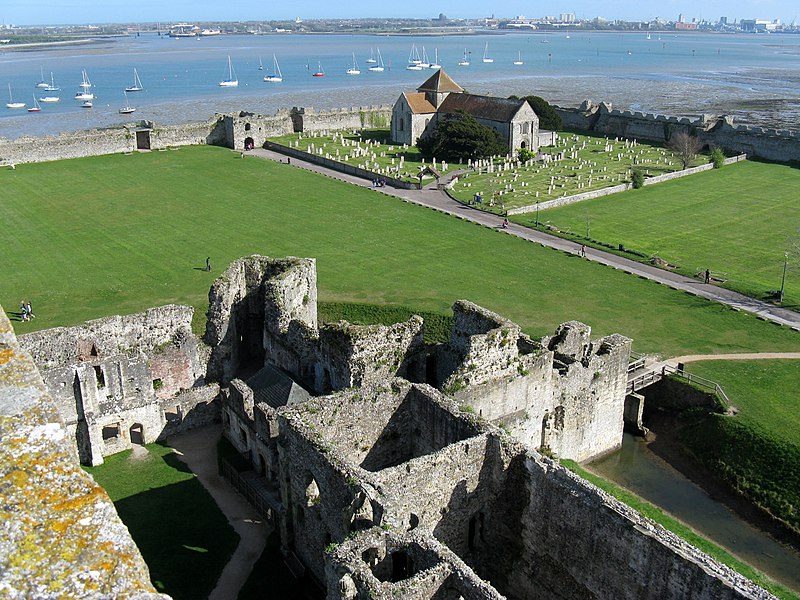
[757, 452]
[681, 530]
[184, 538]
[369, 149]
[737, 221]
[437, 327]
[139, 232]
[587, 163]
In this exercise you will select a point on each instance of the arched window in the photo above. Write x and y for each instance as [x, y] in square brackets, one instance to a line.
[247, 126]
[402, 124]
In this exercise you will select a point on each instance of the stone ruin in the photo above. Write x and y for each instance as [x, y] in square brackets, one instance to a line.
[391, 468]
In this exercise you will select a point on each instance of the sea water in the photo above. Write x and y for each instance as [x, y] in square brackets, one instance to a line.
[755, 78]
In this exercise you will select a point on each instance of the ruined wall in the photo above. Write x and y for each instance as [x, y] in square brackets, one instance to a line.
[61, 534]
[121, 380]
[780, 145]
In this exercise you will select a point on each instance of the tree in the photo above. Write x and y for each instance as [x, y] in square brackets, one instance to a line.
[459, 137]
[685, 146]
[549, 119]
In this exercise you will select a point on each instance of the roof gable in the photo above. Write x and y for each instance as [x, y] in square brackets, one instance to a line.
[440, 82]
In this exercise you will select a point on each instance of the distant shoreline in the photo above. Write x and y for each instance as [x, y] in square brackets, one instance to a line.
[45, 45]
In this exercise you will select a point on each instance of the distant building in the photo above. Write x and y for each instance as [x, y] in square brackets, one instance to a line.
[567, 17]
[416, 114]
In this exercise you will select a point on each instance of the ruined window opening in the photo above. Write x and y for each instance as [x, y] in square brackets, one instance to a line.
[312, 493]
[545, 429]
[157, 384]
[111, 432]
[93, 352]
[143, 139]
[402, 566]
[101, 379]
[413, 522]
[243, 436]
[247, 126]
[136, 432]
[173, 414]
[430, 370]
[363, 517]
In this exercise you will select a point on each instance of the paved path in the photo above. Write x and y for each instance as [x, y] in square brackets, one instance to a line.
[198, 449]
[431, 197]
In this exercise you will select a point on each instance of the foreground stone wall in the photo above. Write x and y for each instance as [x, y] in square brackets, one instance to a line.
[602, 119]
[61, 535]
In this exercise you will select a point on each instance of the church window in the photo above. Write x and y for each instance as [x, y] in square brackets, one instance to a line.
[402, 125]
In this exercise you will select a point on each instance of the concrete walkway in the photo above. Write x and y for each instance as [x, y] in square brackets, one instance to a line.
[434, 198]
[198, 449]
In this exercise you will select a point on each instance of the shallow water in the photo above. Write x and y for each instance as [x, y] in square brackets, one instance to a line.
[754, 78]
[638, 469]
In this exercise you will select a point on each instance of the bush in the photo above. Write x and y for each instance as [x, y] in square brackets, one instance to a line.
[637, 178]
[459, 137]
[524, 155]
[717, 158]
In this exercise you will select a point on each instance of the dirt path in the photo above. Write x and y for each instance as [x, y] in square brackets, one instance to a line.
[198, 449]
[673, 362]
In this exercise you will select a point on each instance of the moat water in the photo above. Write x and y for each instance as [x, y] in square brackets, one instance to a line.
[638, 469]
[756, 78]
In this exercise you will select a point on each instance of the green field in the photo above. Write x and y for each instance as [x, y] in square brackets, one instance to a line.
[737, 221]
[184, 538]
[585, 163]
[369, 149]
[139, 232]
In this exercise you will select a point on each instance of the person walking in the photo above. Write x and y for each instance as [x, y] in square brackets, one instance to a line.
[29, 310]
[23, 311]
[583, 250]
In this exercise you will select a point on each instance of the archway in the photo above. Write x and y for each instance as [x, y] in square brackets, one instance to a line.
[137, 434]
[523, 145]
[249, 143]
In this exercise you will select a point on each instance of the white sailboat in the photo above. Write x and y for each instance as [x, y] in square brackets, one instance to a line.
[425, 64]
[260, 64]
[378, 68]
[137, 83]
[435, 64]
[276, 76]
[486, 58]
[42, 83]
[11, 103]
[85, 95]
[231, 81]
[414, 60]
[35, 107]
[128, 109]
[519, 60]
[52, 87]
[49, 99]
[464, 62]
[85, 84]
[86, 104]
[371, 60]
[354, 70]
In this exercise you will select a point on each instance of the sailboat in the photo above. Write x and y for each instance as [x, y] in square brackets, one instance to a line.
[128, 108]
[354, 70]
[231, 81]
[425, 64]
[85, 95]
[52, 87]
[435, 64]
[519, 59]
[414, 60]
[464, 62]
[49, 99]
[137, 83]
[276, 76]
[42, 83]
[85, 84]
[319, 72]
[378, 67]
[11, 103]
[371, 60]
[486, 58]
[260, 64]
[35, 107]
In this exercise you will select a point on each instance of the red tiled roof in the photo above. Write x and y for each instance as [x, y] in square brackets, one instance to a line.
[419, 103]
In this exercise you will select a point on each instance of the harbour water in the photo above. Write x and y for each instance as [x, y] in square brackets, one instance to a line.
[638, 469]
[756, 78]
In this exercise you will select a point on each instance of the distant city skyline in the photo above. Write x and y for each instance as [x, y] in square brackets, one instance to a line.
[77, 12]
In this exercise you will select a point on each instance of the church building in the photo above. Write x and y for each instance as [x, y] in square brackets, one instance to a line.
[414, 115]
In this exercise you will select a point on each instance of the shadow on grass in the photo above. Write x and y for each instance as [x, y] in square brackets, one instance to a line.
[184, 538]
[270, 578]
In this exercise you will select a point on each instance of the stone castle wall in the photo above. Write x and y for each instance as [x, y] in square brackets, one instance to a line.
[62, 536]
[601, 119]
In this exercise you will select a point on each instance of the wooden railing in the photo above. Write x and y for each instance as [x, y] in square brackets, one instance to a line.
[650, 377]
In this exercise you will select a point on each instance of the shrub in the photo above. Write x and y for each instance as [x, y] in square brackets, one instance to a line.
[717, 158]
[459, 137]
[637, 178]
[524, 155]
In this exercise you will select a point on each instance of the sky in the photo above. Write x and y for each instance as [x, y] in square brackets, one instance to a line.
[43, 12]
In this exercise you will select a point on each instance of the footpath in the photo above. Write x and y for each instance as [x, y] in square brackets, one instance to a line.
[432, 197]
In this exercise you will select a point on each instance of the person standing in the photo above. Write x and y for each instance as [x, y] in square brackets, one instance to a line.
[708, 276]
[208, 263]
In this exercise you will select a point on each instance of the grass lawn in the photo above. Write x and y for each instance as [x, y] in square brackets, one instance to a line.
[159, 494]
[737, 221]
[683, 531]
[586, 163]
[369, 149]
[139, 231]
